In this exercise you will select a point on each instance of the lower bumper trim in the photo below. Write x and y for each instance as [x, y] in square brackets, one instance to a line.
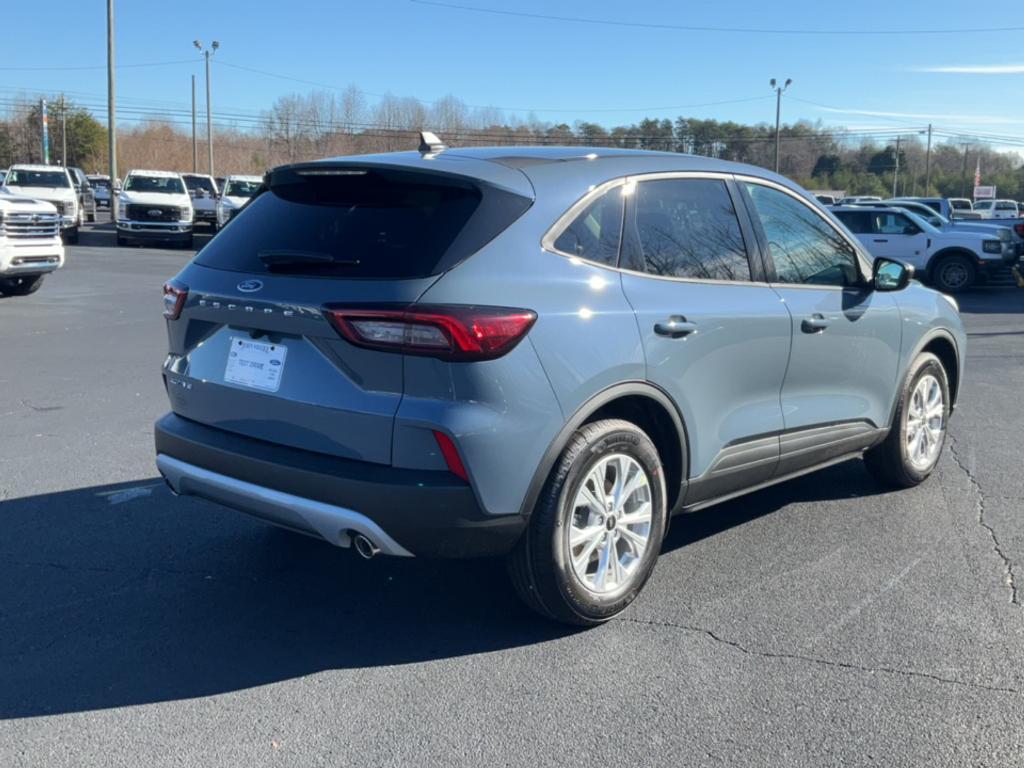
[332, 523]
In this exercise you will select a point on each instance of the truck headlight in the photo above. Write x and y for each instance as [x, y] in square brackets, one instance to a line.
[186, 214]
[992, 246]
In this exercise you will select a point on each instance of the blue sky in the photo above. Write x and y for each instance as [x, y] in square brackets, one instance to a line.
[563, 71]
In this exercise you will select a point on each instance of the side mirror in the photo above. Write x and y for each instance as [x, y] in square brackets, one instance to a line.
[889, 275]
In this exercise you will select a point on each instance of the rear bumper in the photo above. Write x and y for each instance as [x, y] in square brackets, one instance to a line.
[402, 511]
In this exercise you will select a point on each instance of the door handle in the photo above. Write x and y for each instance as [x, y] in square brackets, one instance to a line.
[880, 240]
[815, 324]
[676, 327]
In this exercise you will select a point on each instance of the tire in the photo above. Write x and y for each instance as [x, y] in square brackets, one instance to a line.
[21, 286]
[121, 242]
[953, 273]
[541, 565]
[91, 218]
[891, 461]
[71, 235]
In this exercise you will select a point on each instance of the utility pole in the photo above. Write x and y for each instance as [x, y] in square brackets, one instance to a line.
[778, 113]
[195, 149]
[207, 53]
[963, 173]
[896, 170]
[111, 121]
[928, 164]
[46, 133]
[63, 132]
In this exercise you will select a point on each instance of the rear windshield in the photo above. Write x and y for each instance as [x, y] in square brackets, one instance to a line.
[168, 185]
[357, 223]
[18, 178]
[196, 183]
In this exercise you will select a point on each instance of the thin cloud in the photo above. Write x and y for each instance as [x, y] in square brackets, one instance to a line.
[976, 69]
[976, 119]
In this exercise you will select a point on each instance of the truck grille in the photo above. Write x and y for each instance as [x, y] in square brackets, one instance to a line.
[31, 225]
[137, 212]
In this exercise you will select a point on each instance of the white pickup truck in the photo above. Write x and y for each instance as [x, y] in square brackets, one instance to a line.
[30, 244]
[204, 193]
[951, 260]
[154, 206]
[237, 192]
[53, 184]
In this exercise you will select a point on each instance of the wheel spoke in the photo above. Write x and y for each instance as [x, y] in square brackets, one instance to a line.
[582, 560]
[583, 535]
[642, 514]
[638, 481]
[601, 575]
[591, 500]
[617, 573]
[637, 542]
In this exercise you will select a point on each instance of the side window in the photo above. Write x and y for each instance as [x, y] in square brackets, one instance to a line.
[686, 228]
[893, 224]
[858, 222]
[595, 234]
[803, 246]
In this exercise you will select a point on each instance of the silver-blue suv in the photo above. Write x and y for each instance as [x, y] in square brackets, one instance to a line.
[540, 353]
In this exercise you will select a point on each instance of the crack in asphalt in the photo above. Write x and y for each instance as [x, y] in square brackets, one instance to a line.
[1009, 577]
[818, 660]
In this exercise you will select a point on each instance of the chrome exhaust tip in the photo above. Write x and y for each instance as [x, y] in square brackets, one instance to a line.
[366, 548]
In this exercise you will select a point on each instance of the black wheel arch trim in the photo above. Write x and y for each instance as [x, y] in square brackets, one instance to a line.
[588, 409]
[924, 341]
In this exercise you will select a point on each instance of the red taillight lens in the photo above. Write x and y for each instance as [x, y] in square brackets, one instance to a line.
[174, 299]
[451, 455]
[457, 333]
[1019, 229]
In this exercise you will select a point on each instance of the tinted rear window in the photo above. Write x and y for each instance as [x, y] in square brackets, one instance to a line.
[364, 224]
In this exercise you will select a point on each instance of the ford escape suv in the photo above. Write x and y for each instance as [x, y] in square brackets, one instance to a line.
[540, 353]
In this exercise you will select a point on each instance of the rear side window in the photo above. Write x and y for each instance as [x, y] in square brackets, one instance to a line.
[355, 223]
[858, 222]
[893, 224]
[686, 228]
[1006, 206]
[595, 234]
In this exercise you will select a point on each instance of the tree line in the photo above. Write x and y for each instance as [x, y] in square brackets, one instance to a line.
[321, 124]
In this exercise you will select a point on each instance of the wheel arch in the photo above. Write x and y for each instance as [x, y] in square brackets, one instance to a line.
[940, 343]
[953, 250]
[642, 403]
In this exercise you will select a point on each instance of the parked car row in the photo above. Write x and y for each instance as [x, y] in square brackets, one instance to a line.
[951, 254]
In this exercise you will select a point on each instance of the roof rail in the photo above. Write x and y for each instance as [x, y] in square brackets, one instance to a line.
[430, 144]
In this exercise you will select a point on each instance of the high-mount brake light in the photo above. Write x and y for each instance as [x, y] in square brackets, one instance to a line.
[174, 299]
[449, 332]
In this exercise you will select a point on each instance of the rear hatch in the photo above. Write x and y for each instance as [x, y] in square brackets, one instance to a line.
[253, 352]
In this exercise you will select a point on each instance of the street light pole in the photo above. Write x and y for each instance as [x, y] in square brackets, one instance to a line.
[111, 122]
[778, 113]
[896, 170]
[928, 164]
[63, 132]
[195, 149]
[207, 53]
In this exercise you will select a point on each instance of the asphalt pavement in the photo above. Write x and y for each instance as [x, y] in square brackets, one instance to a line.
[824, 621]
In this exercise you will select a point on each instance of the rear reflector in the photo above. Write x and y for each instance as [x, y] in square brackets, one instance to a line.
[174, 299]
[451, 455]
[456, 333]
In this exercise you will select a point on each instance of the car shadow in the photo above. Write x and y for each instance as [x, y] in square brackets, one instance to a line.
[121, 595]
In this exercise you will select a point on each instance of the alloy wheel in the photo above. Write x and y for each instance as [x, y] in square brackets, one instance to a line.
[926, 422]
[610, 524]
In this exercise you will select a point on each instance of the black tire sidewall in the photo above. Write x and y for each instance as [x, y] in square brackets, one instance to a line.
[925, 364]
[587, 604]
[937, 273]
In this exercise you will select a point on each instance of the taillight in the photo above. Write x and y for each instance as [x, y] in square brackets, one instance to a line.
[174, 299]
[450, 332]
[1019, 229]
[451, 455]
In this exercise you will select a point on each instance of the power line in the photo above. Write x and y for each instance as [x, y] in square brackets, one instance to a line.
[707, 28]
[101, 66]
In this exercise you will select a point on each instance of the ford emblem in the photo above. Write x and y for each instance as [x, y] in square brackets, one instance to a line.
[155, 212]
[250, 286]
